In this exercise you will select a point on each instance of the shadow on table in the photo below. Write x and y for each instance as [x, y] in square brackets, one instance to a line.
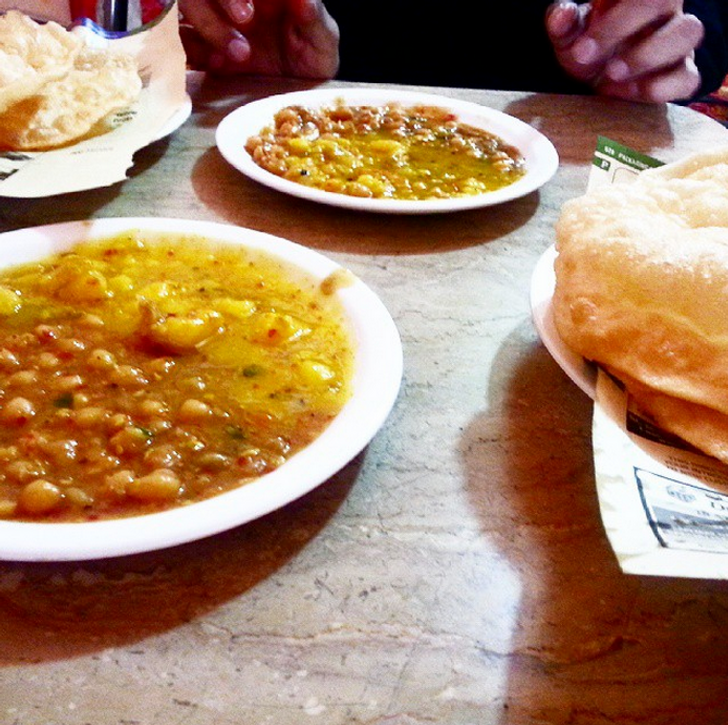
[590, 644]
[22, 213]
[597, 117]
[52, 611]
[238, 200]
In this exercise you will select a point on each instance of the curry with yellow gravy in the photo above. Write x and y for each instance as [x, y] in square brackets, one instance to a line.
[389, 151]
[148, 371]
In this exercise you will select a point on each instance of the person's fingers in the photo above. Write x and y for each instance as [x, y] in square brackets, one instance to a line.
[313, 41]
[564, 22]
[239, 11]
[673, 84]
[665, 48]
[224, 39]
[619, 23]
[305, 12]
[197, 50]
[638, 50]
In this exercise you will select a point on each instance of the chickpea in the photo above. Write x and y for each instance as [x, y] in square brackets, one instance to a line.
[356, 189]
[101, 360]
[39, 497]
[91, 321]
[78, 497]
[70, 345]
[48, 361]
[128, 376]
[23, 471]
[287, 115]
[117, 483]
[23, 341]
[193, 410]
[8, 453]
[152, 408]
[252, 463]
[118, 421]
[213, 461]
[46, 333]
[60, 451]
[157, 425]
[162, 457]
[130, 440]
[18, 411]
[260, 154]
[8, 359]
[161, 366]
[80, 399]
[159, 485]
[23, 378]
[277, 167]
[289, 129]
[90, 417]
[68, 383]
[100, 460]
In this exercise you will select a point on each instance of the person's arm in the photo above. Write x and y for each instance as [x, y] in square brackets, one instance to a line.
[270, 37]
[629, 49]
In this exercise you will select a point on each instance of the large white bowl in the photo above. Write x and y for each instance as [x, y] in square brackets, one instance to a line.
[377, 377]
[540, 155]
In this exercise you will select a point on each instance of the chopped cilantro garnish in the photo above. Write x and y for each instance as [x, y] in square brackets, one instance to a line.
[64, 401]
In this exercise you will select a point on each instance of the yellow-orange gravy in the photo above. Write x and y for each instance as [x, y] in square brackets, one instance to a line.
[390, 152]
[148, 371]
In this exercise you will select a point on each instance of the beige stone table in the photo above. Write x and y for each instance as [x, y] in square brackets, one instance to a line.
[457, 571]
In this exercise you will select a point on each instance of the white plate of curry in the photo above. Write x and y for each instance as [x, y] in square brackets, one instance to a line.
[379, 150]
[165, 380]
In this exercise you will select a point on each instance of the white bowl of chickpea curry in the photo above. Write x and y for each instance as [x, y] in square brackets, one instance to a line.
[164, 380]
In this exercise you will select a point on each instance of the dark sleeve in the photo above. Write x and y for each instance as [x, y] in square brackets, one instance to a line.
[712, 55]
[424, 42]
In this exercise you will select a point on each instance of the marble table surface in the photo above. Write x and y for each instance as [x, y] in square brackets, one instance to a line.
[457, 571]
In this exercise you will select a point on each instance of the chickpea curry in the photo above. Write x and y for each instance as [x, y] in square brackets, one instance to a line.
[148, 371]
[416, 153]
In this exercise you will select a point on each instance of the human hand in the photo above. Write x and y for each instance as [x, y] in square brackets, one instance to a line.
[638, 50]
[295, 38]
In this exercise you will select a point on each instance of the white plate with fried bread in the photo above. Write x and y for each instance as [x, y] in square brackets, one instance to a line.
[541, 159]
[66, 140]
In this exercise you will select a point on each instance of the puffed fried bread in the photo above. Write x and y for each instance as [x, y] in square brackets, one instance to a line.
[49, 103]
[642, 289]
[31, 55]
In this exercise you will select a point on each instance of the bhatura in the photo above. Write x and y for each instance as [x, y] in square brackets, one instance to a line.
[642, 289]
[54, 89]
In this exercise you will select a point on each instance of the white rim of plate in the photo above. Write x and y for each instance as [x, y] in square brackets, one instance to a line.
[542, 160]
[176, 119]
[377, 379]
[543, 281]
